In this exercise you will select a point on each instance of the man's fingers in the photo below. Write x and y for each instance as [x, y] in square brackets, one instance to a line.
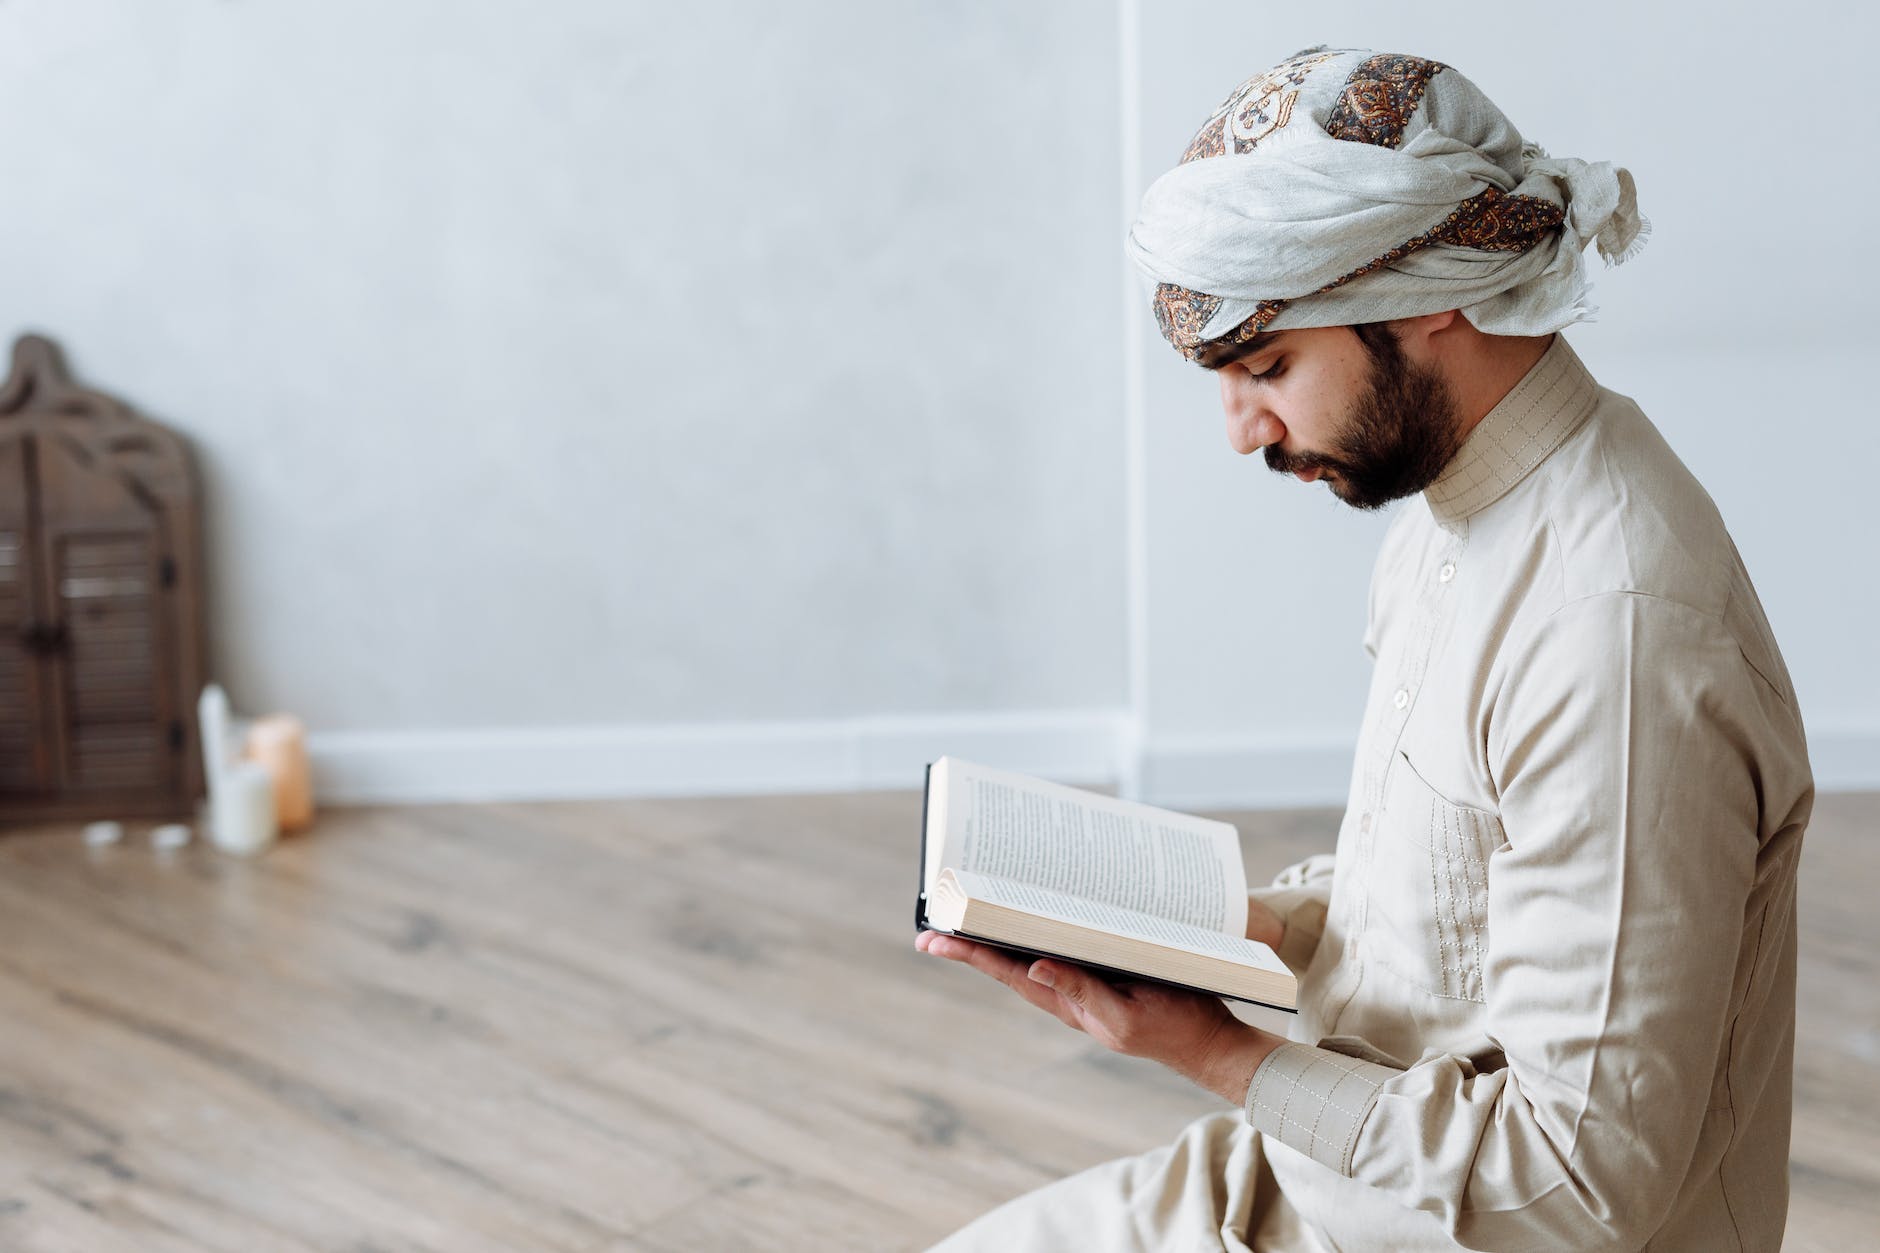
[940, 944]
[1094, 1002]
[1263, 924]
[981, 957]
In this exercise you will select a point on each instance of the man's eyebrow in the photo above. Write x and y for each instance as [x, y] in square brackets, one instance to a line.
[1215, 360]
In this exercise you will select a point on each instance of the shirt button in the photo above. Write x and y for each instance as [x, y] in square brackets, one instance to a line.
[1364, 823]
[1448, 571]
[1402, 698]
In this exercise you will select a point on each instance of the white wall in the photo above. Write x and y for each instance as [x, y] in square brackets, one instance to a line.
[601, 366]
[601, 398]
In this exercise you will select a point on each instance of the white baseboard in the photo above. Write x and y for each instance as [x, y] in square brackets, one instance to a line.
[865, 754]
[751, 758]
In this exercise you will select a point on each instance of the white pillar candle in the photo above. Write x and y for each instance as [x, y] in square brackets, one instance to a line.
[242, 818]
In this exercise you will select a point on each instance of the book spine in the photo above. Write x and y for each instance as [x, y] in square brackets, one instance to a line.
[920, 868]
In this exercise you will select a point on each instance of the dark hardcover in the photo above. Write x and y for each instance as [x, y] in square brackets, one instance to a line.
[920, 886]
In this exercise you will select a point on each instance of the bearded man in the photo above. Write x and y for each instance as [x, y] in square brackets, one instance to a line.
[1547, 980]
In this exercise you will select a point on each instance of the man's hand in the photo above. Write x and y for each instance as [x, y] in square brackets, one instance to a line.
[1190, 1032]
[1263, 924]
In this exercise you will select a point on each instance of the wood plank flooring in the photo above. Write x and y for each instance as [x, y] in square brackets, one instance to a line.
[646, 1025]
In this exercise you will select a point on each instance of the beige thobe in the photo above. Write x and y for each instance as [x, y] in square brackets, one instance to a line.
[1547, 994]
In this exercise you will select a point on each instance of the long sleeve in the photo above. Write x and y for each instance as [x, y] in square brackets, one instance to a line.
[1623, 747]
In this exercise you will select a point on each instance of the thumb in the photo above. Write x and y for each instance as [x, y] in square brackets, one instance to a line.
[1066, 981]
[1078, 987]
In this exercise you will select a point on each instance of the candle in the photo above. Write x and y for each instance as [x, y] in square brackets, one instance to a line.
[242, 808]
[278, 743]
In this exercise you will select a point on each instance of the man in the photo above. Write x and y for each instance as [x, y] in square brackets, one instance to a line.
[1547, 980]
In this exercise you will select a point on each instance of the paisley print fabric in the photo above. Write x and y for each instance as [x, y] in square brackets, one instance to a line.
[1346, 186]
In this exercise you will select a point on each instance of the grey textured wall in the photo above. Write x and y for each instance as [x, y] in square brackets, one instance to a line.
[587, 362]
[581, 364]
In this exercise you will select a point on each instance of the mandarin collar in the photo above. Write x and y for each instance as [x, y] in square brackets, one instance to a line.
[1527, 424]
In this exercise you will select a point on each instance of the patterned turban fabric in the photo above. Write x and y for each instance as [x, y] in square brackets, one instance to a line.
[1348, 186]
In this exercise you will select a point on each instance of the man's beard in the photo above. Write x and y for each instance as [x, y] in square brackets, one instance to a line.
[1398, 437]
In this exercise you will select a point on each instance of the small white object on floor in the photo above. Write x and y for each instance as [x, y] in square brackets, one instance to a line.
[99, 834]
[170, 835]
[243, 817]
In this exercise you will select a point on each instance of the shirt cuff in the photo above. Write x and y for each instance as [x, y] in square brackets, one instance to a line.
[1314, 1100]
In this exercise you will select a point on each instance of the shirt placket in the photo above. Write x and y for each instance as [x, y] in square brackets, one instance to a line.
[1433, 607]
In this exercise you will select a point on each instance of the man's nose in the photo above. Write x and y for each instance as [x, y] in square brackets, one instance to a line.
[1251, 425]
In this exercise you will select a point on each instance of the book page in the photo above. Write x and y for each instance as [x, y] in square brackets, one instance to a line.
[1078, 911]
[1133, 856]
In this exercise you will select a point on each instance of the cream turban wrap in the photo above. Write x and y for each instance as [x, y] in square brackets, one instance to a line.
[1346, 186]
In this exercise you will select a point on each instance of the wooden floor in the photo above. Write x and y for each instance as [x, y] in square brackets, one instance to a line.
[693, 1025]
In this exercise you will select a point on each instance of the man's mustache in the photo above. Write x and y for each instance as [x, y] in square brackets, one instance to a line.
[1280, 461]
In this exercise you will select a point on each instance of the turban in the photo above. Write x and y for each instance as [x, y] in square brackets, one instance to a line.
[1342, 187]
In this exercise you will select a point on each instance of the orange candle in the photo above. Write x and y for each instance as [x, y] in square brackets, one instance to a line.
[279, 743]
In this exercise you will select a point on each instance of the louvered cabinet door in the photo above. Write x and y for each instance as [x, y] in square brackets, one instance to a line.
[23, 765]
[101, 643]
[103, 553]
[16, 706]
[114, 721]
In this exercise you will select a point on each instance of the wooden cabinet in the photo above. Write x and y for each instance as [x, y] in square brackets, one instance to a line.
[101, 651]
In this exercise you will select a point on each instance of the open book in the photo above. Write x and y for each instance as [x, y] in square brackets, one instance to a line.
[1134, 891]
